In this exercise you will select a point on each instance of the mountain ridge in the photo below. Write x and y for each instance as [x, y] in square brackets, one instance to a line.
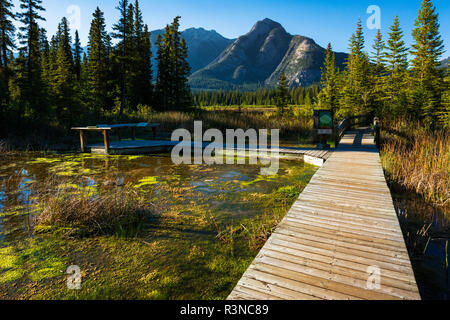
[260, 56]
[203, 46]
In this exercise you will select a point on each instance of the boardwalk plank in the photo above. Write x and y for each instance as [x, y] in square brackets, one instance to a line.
[343, 223]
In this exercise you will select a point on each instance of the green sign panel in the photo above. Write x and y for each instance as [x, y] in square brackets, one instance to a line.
[325, 120]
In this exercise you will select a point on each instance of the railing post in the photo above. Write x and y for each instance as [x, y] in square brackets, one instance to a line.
[376, 130]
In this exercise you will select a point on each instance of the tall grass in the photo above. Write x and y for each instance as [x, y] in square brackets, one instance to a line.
[119, 211]
[417, 159]
[291, 126]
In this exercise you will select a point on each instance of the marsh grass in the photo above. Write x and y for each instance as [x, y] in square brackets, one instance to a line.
[118, 211]
[290, 127]
[417, 159]
[256, 231]
[5, 149]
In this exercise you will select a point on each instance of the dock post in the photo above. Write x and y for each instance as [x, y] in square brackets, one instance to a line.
[82, 142]
[106, 140]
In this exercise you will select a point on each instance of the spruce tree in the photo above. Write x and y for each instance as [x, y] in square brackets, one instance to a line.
[29, 39]
[184, 98]
[77, 57]
[308, 109]
[426, 51]
[328, 97]
[162, 73]
[97, 65]
[282, 96]
[123, 31]
[357, 89]
[63, 82]
[379, 71]
[140, 74]
[7, 30]
[377, 57]
[396, 61]
[444, 114]
[18, 82]
[172, 88]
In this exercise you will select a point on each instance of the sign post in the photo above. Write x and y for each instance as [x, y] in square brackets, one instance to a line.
[323, 123]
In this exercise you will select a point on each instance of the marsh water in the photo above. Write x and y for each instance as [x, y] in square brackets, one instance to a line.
[175, 255]
[426, 229]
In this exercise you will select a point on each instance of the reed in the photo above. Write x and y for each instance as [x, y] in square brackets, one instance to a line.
[417, 159]
[119, 211]
[227, 119]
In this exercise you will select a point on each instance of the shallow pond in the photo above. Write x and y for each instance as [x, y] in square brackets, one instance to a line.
[177, 255]
[426, 229]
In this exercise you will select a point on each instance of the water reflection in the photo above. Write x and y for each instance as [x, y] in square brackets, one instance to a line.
[427, 230]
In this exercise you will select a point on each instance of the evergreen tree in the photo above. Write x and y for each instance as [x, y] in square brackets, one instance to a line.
[282, 97]
[173, 69]
[63, 82]
[19, 82]
[328, 97]
[97, 65]
[77, 56]
[377, 58]
[357, 89]
[444, 115]
[162, 73]
[7, 30]
[29, 39]
[184, 98]
[396, 61]
[379, 71]
[123, 31]
[308, 109]
[426, 51]
[140, 74]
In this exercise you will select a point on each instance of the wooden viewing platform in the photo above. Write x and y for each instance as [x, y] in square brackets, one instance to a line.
[342, 226]
[133, 146]
[309, 155]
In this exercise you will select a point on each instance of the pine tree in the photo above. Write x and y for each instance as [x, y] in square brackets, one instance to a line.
[377, 57]
[29, 39]
[396, 61]
[444, 115]
[328, 97]
[379, 71]
[7, 30]
[357, 89]
[308, 109]
[97, 65]
[123, 31]
[19, 82]
[63, 82]
[426, 51]
[77, 56]
[282, 97]
[162, 73]
[184, 98]
[172, 88]
[140, 74]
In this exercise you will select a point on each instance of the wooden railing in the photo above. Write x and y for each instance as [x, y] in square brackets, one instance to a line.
[349, 123]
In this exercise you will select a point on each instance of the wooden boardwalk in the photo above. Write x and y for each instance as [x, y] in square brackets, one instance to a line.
[342, 226]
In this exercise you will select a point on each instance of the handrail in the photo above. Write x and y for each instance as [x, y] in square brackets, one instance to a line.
[348, 123]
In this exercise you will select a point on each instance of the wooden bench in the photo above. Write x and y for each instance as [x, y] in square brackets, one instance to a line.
[105, 130]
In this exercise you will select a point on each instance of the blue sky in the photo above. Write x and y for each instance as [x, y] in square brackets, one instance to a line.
[322, 20]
